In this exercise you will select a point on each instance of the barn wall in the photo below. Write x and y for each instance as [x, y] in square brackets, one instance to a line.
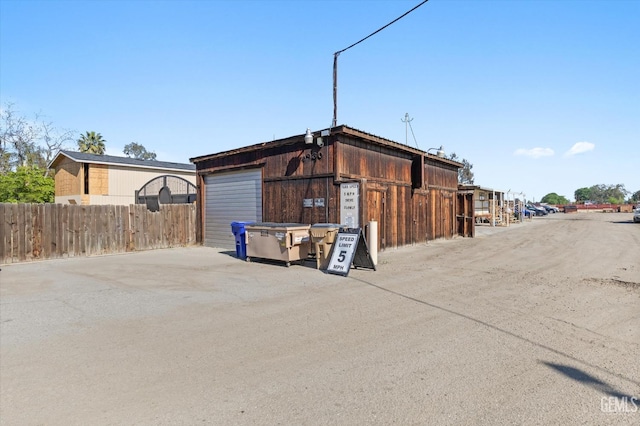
[412, 198]
[375, 163]
[440, 175]
[292, 160]
[292, 173]
[465, 213]
[420, 203]
[283, 200]
[441, 221]
[386, 190]
[441, 181]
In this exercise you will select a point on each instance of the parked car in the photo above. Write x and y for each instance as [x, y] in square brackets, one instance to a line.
[550, 209]
[636, 215]
[526, 212]
[538, 211]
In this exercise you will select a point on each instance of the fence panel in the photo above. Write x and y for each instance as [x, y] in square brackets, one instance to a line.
[48, 231]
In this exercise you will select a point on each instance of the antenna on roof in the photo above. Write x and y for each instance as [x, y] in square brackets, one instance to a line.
[407, 125]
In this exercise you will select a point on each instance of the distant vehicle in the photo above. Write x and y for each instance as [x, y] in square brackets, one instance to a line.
[538, 211]
[526, 212]
[550, 209]
[636, 215]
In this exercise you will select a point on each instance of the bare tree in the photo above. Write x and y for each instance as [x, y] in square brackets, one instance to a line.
[18, 138]
[54, 139]
[26, 142]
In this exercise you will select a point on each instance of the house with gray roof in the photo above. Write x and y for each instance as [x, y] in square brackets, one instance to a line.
[82, 178]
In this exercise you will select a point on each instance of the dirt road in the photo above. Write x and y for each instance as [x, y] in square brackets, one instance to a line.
[535, 324]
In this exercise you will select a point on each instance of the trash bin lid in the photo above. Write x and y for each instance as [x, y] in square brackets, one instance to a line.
[326, 225]
[241, 223]
[284, 227]
[238, 227]
[278, 225]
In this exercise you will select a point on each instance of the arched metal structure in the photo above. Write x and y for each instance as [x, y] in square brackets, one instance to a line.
[166, 189]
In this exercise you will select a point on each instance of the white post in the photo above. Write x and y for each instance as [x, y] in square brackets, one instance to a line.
[493, 208]
[372, 238]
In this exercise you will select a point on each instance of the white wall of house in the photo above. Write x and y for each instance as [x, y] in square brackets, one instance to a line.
[124, 181]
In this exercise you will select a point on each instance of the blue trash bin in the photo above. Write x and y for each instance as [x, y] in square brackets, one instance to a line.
[241, 244]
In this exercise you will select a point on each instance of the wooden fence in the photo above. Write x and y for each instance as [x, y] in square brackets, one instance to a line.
[48, 231]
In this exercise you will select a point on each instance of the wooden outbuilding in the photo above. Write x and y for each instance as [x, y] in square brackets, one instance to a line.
[339, 175]
[489, 205]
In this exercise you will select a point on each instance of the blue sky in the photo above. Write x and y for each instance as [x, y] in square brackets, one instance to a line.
[540, 96]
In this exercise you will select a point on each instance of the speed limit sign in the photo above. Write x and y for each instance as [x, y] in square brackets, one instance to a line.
[349, 243]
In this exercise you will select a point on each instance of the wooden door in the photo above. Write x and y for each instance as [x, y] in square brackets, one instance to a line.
[376, 199]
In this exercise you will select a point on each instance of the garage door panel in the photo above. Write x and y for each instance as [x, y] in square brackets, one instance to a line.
[232, 196]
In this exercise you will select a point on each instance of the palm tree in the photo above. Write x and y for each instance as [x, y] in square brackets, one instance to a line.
[92, 143]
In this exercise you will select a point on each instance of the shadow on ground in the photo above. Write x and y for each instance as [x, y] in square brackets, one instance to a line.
[587, 380]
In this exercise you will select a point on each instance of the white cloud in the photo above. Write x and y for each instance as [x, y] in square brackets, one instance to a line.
[579, 148]
[535, 152]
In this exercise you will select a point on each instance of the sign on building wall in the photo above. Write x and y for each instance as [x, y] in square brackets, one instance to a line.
[350, 204]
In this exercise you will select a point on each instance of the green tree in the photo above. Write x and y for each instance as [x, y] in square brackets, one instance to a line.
[582, 194]
[614, 194]
[27, 184]
[138, 151]
[91, 143]
[635, 197]
[553, 198]
[465, 175]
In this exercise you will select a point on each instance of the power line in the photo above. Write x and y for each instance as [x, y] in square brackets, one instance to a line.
[380, 29]
[335, 61]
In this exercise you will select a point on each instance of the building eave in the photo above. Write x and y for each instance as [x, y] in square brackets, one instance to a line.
[342, 129]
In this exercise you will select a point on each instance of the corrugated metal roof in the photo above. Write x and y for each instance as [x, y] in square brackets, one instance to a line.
[83, 157]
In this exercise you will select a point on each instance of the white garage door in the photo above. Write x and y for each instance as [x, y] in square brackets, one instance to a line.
[231, 196]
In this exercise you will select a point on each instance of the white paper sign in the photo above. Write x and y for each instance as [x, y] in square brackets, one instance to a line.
[350, 204]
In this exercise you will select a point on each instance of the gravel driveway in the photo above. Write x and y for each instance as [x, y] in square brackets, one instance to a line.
[538, 323]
